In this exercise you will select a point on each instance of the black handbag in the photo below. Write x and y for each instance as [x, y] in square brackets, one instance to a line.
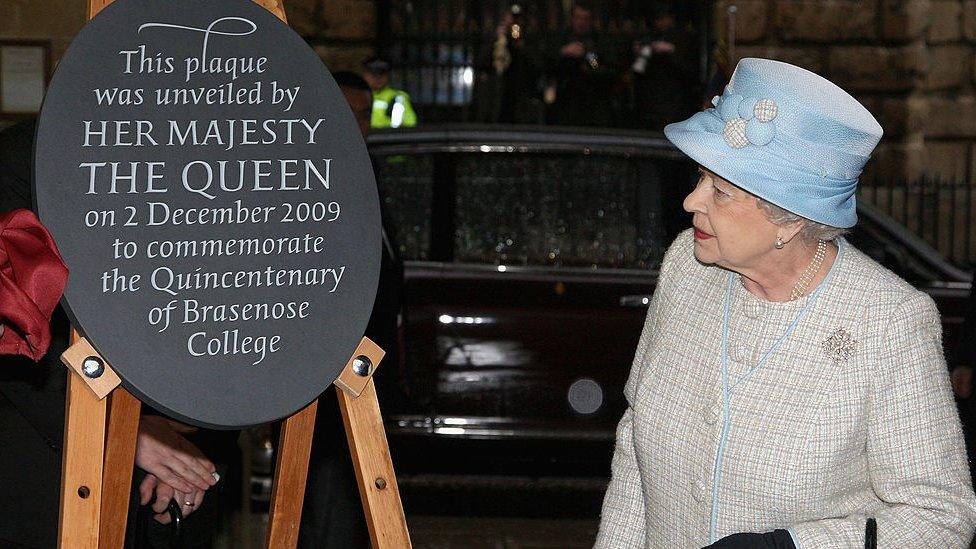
[175, 525]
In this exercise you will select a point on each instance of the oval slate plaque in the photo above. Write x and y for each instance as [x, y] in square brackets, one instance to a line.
[211, 194]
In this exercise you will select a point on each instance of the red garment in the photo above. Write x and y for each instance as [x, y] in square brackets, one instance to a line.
[32, 279]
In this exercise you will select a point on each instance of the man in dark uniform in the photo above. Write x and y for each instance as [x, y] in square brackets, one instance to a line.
[506, 87]
[664, 71]
[585, 70]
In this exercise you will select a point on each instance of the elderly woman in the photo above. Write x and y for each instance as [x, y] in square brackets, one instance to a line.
[786, 387]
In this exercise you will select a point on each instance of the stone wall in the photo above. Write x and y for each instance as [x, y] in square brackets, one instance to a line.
[341, 31]
[55, 20]
[911, 62]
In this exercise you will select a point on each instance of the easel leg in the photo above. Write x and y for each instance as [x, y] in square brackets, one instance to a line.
[120, 453]
[291, 472]
[81, 466]
[87, 492]
[374, 469]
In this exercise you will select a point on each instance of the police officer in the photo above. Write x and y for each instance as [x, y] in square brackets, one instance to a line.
[391, 107]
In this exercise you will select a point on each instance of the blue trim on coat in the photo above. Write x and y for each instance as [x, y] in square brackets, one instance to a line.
[727, 390]
[796, 542]
[726, 397]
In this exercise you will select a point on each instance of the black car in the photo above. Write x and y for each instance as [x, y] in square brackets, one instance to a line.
[530, 255]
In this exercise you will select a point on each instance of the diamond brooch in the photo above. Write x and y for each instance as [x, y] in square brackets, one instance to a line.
[839, 347]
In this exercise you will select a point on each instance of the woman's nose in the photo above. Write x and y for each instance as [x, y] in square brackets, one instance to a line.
[693, 202]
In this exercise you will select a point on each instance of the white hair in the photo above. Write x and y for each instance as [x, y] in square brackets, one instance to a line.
[812, 231]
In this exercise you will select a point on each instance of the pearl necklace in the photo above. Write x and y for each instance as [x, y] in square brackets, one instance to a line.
[811, 271]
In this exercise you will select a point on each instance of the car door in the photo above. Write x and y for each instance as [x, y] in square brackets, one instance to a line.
[527, 278]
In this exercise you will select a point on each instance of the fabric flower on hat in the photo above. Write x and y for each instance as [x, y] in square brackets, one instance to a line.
[32, 279]
[748, 120]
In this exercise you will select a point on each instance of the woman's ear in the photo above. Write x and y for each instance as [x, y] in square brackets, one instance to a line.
[788, 231]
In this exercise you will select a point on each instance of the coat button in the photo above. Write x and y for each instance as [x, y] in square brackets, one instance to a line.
[700, 491]
[752, 309]
[710, 414]
[739, 353]
[745, 353]
[734, 353]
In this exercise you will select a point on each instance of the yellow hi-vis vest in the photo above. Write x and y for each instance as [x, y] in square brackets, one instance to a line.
[392, 109]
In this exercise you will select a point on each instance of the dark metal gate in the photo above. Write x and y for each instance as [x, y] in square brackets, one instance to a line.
[434, 44]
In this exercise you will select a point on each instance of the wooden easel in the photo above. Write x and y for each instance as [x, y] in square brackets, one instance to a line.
[102, 423]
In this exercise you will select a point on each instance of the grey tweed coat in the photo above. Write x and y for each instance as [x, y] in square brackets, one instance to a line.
[851, 417]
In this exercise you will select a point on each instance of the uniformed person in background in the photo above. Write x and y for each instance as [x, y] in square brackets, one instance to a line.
[507, 72]
[391, 107]
[583, 66]
[664, 69]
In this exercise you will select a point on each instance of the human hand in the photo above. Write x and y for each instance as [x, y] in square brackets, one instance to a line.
[573, 49]
[164, 493]
[162, 451]
[962, 381]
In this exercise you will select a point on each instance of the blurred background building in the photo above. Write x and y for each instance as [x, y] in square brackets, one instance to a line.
[910, 61]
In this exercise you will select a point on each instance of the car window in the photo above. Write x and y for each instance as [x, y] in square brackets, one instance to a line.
[551, 210]
[406, 189]
[555, 210]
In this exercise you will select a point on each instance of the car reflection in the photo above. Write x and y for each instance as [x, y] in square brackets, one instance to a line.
[448, 319]
[474, 352]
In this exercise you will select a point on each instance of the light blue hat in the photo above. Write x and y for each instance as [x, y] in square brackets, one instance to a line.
[786, 135]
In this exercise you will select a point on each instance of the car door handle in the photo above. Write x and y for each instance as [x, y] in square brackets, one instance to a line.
[635, 301]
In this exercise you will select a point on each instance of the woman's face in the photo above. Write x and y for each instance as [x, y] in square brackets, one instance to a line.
[730, 229]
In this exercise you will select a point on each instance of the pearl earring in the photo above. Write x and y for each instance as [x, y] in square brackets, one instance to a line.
[779, 243]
